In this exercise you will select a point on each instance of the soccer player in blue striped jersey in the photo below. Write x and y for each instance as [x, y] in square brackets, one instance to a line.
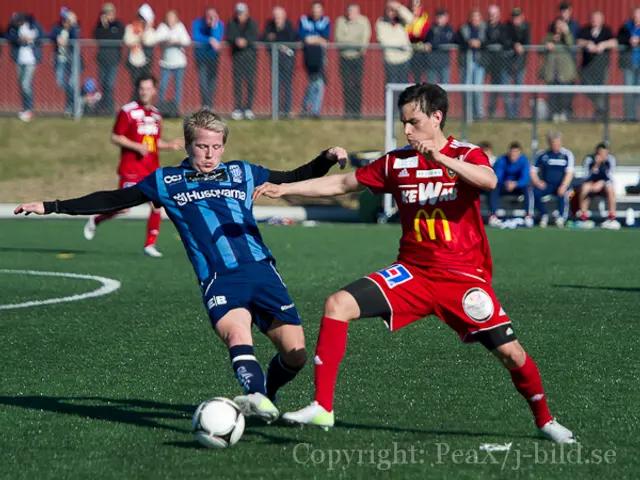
[210, 203]
[552, 174]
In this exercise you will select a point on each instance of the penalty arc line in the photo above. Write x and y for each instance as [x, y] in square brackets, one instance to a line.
[108, 286]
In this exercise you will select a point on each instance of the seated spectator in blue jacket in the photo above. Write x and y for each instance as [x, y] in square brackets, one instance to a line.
[207, 32]
[313, 31]
[64, 33]
[513, 172]
[552, 175]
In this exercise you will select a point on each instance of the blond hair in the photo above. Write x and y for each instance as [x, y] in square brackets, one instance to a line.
[206, 119]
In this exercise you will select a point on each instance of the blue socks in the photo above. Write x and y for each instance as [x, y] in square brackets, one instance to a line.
[247, 369]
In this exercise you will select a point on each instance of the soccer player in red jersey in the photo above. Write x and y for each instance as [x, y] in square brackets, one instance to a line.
[444, 267]
[138, 133]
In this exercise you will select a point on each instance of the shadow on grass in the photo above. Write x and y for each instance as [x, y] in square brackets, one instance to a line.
[42, 250]
[595, 287]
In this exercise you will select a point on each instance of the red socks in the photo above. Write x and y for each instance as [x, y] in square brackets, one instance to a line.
[528, 383]
[332, 343]
[105, 216]
[153, 228]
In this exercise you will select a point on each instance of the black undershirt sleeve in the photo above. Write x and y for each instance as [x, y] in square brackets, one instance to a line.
[98, 202]
[318, 167]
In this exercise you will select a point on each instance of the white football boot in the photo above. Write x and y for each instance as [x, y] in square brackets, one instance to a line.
[90, 228]
[152, 251]
[559, 222]
[257, 405]
[544, 221]
[557, 433]
[611, 224]
[314, 414]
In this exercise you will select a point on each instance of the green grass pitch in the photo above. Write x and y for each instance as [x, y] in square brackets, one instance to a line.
[105, 387]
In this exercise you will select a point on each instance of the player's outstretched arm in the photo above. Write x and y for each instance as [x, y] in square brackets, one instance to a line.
[330, 186]
[94, 203]
[176, 144]
[318, 167]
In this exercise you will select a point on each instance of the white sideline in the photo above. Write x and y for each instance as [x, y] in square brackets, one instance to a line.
[108, 286]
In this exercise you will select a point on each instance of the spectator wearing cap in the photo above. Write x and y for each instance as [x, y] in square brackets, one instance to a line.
[394, 38]
[242, 35]
[64, 34]
[417, 30]
[440, 38]
[597, 41]
[280, 31]
[140, 37]
[313, 31]
[173, 36]
[472, 38]
[109, 32]
[629, 61]
[494, 57]
[353, 30]
[25, 36]
[517, 37]
[207, 32]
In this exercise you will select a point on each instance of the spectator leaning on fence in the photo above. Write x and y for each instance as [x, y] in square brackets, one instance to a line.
[207, 32]
[313, 31]
[140, 37]
[25, 36]
[394, 39]
[280, 30]
[551, 176]
[417, 30]
[597, 40]
[109, 32]
[242, 35]
[558, 68]
[629, 61]
[440, 38]
[64, 34]
[173, 37]
[513, 172]
[352, 29]
[598, 169]
[472, 38]
[493, 58]
[517, 38]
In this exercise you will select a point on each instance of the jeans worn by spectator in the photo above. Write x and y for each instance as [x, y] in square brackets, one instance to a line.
[419, 66]
[396, 72]
[244, 73]
[286, 66]
[512, 101]
[631, 101]
[596, 73]
[107, 76]
[475, 73]
[439, 74]
[501, 191]
[207, 77]
[312, 101]
[25, 81]
[560, 103]
[64, 81]
[495, 69]
[351, 71]
[165, 77]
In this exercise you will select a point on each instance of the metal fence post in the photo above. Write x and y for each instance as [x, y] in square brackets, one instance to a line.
[275, 82]
[76, 67]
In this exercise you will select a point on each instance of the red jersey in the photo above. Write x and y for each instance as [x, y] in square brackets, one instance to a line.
[440, 213]
[140, 125]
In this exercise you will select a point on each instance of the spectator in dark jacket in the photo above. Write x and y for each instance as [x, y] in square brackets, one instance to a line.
[64, 34]
[517, 37]
[629, 60]
[313, 31]
[566, 12]
[440, 38]
[472, 38]
[242, 35]
[493, 58]
[280, 31]
[109, 32]
[207, 32]
[25, 36]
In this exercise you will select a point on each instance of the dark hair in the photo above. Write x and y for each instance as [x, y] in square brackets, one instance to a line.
[485, 145]
[428, 97]
[144, 77]
[513, 145]
[602, 146]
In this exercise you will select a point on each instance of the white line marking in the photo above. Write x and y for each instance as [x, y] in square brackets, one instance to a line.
[108, 286]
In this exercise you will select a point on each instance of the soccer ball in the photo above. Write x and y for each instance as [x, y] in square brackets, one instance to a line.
[218, 423]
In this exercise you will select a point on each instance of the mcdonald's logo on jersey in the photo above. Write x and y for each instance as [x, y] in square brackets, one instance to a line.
[150, 142]
[430, 220]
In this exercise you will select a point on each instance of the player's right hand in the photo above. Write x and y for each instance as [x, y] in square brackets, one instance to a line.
[270, 190]
[143, 149]
[32, 207]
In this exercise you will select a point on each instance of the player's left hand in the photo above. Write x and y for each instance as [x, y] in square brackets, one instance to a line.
[338, 154]
[562, 190]
[32, 207]
[270, 190]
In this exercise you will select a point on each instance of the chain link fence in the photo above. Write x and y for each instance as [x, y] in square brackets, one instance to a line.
[275, 81]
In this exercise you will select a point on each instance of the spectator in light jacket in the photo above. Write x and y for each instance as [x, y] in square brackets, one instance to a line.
[353, 30]
[62, 33]
[25, 36]
[140, 37]
[207, 31]
[173, 36]
[393, 37]
[280, 30]
[108, 31]
[313, 31]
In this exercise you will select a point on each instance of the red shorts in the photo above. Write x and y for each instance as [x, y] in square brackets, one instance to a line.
[465, 302]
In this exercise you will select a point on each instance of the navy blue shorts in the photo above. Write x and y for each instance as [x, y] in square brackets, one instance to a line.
[257, 287]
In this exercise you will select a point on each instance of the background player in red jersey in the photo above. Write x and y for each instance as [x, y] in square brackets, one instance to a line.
[138, 132]
[444, 267]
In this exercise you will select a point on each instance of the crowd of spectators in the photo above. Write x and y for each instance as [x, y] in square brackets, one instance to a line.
[491, 48]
